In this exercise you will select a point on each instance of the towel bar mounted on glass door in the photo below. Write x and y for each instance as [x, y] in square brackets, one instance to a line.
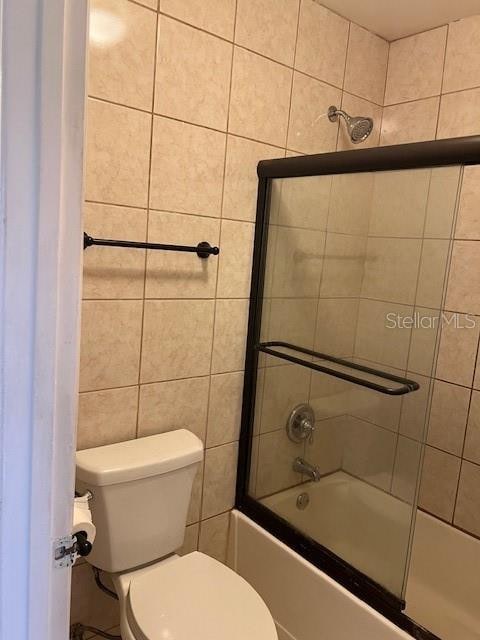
[406, 385]
[203, 249]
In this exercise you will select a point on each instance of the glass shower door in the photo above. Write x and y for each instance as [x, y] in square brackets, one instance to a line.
[354, 282]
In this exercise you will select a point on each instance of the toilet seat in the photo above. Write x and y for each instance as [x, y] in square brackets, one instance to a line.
[196, 597]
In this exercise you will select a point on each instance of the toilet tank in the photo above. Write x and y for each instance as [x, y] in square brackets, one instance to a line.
[141, 493]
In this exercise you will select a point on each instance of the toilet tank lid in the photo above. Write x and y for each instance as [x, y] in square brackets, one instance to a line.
[140, 458]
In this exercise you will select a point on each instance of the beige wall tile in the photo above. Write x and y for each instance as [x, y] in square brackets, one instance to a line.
[181, 275]
[350, 203]
[410, 122]
[177, 339]
[329, 396]
[110, 272]
[220, 477]
[268, 27]
[369, 452]
[297, 269]
[310, 131]
[399, 201]
[241, 180]
[88, 604]
[415, 66]
[235, 266]
[375, 340]
[344, 265]
[371, 52]
[190, 542]
[110, 344]
[468, 219]
[214, 537]
[326, 449]
[442, 202]
[193, 514]
[260, 98]
[414, 409]
[472, 439]
[463, 292]
[152, 4]
[386, 258]
[225, 408]
[276, 454]
[462, 62]
[121, 53]
[405, 472]
[433, 267]
[217, 16]
[117, 148]
[105, 417]
[197, 187]
[448, 417]
[301, 203]
[458, 348]
[459, 114]
[424, 343]
[372, 406]
[192, 82]
[231, 318]
[352, 104]
[291, 320]
[467, 514]
[164, 407]
[336, 326]
[439, 481]
[284, 388]
[322, 43]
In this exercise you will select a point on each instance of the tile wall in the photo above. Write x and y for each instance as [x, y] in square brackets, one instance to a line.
[184, 98]
[432, 92]
[429, 81]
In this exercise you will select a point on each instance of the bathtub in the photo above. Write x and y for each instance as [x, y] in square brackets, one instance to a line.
[305, 603]
[443, 586]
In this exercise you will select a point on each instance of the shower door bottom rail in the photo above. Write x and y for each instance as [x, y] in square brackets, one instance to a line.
[406, 385]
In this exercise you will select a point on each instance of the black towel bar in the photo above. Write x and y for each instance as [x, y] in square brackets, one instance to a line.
[406, 385]
[203, 249]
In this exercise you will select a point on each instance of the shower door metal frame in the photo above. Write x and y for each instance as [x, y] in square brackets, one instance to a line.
[454, 151]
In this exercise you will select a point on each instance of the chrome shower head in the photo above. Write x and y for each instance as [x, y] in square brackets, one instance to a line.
[359, 128]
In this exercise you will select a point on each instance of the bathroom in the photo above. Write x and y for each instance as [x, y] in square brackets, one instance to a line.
[320, 345]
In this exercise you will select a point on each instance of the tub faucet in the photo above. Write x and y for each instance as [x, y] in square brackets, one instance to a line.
[302, 466]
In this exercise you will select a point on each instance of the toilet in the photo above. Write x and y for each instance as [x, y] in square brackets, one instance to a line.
[141, 492]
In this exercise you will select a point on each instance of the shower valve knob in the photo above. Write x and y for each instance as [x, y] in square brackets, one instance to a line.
[301, 424]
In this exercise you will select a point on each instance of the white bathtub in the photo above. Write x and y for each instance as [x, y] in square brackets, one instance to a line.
[363, 525]
[443, 588]
[305, 603]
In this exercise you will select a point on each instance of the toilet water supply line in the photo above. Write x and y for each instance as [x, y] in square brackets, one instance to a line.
[78, 631]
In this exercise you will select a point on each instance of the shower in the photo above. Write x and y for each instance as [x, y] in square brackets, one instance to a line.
[359, 128]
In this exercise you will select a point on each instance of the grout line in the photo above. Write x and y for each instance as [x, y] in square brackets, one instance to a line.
[219, 265]
[157, 30]
[442, 81]
[289, 116]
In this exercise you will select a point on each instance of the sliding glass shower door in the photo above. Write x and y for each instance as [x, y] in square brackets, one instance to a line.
[354, 277]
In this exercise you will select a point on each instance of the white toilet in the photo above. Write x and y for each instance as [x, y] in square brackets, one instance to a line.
[141, 493]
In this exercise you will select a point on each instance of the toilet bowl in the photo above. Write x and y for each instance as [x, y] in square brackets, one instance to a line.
[192, 597]
[141, 492]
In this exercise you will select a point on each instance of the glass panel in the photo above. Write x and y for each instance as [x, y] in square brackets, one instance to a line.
[355, 269]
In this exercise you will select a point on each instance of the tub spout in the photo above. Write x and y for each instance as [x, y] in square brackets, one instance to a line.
[302, 466]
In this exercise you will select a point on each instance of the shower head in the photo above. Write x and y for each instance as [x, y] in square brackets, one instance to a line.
[359, 128]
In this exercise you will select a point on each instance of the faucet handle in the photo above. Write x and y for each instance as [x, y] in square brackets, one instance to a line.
[301, 424]
[308, 428]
